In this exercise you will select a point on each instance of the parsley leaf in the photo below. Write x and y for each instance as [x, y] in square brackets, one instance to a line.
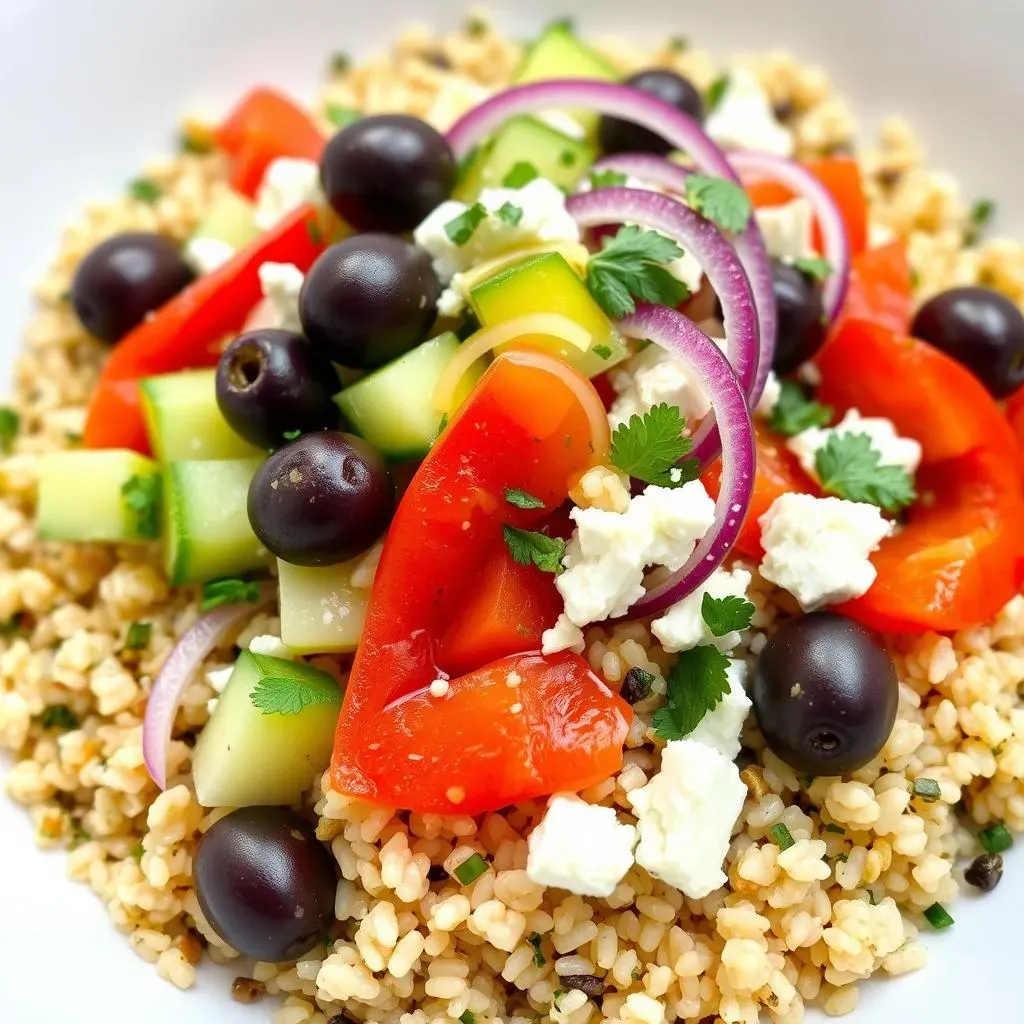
[522, 173]
[631, 264]
[509, 213]
[58, 716]
[850, 468]
[678, 44]
[535, 940]
[290, 694]
[726, 614]
[228, 591]
[522, 499]
[291, 435]
[340, 116]
[567, 158]
[604, 351]
[817, 268]
[723, 202]
[137, 636]
[460, 229]
[529, 548]
[795, 412]
[982, 212]
[340, 62]
[10, 421]
[145, 190]
[696, 685]
[141, 495]
[607, 178]
[716, 90]
[650, 447]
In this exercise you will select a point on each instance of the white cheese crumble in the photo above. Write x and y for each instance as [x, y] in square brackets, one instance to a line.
[281, 284]
[769, 397]
[564, 635]
[788, 230]
[722, 727]
[892, 449]
[205, 255]
[217, 679]
[683, 627]
[685, 816]
[287, 183]
[580, 847]
[744, 118]
[651, 377]
[818, 548]
[274, 646]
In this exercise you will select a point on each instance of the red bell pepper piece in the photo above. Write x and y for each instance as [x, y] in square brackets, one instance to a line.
[514, 728]
[189, 331]
[264, 126]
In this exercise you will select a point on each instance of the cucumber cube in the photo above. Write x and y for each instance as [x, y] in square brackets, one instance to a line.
[321, 611]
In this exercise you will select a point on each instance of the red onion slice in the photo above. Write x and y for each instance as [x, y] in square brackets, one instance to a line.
[680, 336]
[717, 258]
[179, 669]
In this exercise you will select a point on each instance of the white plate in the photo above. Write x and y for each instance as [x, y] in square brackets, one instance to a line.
[91, 87]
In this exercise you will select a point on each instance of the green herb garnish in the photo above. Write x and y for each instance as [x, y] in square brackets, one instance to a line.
[695, 685]
[996, 838]
[795, 412]
[141, 495]
[938, 917]
[289, 693]
[781, 836]
[290, 435]
[836, 829]
[137, 636]
[607, 178]
[567, 158]
[604, 351]
[509, 213]
[815, 267]
[678, 44]
[340, 62]
[522, 499]
[316, 236]
[982, 212]
[723, 202]
[535, 940]
[460, 229]
[9, 423]
[927, 789]
[58, 716]
[521, 173]
[726, 614]
[715, 92]
[340, 116]
[228, 591]
[530, 548]
[467, 1017]
[470, 869]
[651, 447]
[145, 190]
[850, 468]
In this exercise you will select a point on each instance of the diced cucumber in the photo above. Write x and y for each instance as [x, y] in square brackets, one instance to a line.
[207, 533]
[393, 407]
[271, 732]
[321, 611]
[231, 219]
[529, 141]
[81, 496]
[560, 54]
[547, 284]
[184, 422]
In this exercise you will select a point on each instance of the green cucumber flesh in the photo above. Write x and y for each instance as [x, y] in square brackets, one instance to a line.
[231, 219]
[322, 612]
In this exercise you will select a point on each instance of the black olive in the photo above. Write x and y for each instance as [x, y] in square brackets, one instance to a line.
[618, 136]
[986, 872]
[802, 324]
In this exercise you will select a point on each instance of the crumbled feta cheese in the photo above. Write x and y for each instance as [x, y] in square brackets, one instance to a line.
[818, 548]
[205, 255]
[769, 397]
[685, 816]
[455, 97]
[788, 230]
[744, 118]
[688, 270]
[287, 183]
[580, 847]
[651, 377]
[217, 679]
[562, 122]
[677, 518]
[892, 449]
[683, 625]
[722, 727]
[281, 284]
[270, 645]
[544, 219]
[564, 635]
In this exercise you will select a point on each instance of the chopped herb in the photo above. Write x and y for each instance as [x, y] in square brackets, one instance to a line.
[340, 116]
[137, 636]
[815, 267]
[538, 957]
[316, 236]
[938, 917]
[471, 869]
[715, 92]
[915, 278]
[982, 212]
[58, 716]
[136, 851]
[145, 190]
[475, 26]
[290, 435]
[340, 62]
[996, 838]
[529, 548]
[467, 1017]
[781, 836]
[522, 173]
[723, 202]
[567, 158]
[466, 164]
[927, 789]
[849, 467]
[72, 437]
[678, 44]
[510, 213]
[604, 351]
[636, 686]
[141, 495]
[196, 139]
[650, 447]
[872, 898]
[630, 266]
[726, 614]
[9, 423]
[836, 829]
[78, 836]
[556, 997]
[607, 178]
[795, 412]
[522, 499]
[564, 24]
[291, 694]
[228, 591]
[460, 229]
[13, 626]
[696, 685]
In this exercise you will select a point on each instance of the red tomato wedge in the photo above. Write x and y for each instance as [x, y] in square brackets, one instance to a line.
[880, 288]
[515, 728]
[189, 331]
[1015, 415]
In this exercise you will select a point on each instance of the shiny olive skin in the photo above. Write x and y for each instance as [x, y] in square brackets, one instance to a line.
[825, 694]
[979, 328]
[125, 278]
[802, 322]
[369, 299]
[386, 173]
[321, 499]
[271, 383]
[618, 136]
[266, 883]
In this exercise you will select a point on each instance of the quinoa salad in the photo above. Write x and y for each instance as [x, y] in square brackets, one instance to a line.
[535, 533]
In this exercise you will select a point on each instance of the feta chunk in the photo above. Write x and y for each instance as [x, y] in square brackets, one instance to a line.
[744, 118]
[788, 230]
[205, 255]
[651, 377]
[818, 548]
[688, 270]
[580, 847]
[273, 646]
[683, 627]
[281, 284]
[564, 635]
[544, 219]
[722, 727]
[685, 817]
[287, 183]
[677, 518]
[769, 397]
[892, 449]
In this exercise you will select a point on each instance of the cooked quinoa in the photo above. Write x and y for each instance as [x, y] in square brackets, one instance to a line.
[796, 926]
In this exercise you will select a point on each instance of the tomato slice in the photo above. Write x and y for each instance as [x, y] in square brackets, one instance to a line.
[880, 288]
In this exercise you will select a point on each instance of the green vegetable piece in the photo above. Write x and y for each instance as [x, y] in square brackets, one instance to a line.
[927, 789]
[938, 917]
[815, 267]
[996, 838]
[795, 412]
[322, 612]
[471, 869]
[509, 213]
[696, 685]
[651, 447]
[521, 173]
[341, 116]
[522, 499]
[228, 591]
[137, 637]
[849, 467]
[715, 92]
[145, 190]
[781, 836]
[9, 423]
[462, 228]
[58, 717]
[534, 939]
[726, 614]
[141, 495]
[530, 548]
[723, 202]
[607, 178]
